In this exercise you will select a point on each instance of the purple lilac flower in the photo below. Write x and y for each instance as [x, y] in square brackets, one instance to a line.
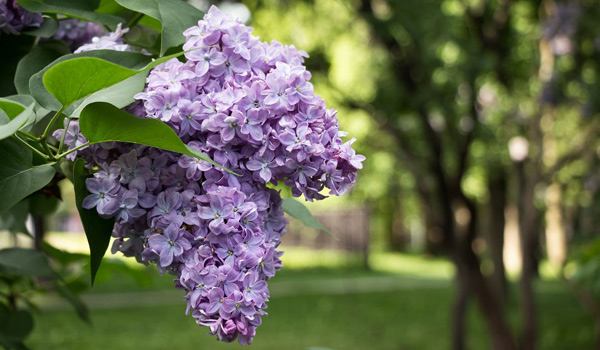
[103, 195]
[250, 106]
[111, 41]
[14, 18]
[169, 245]
[76, 32]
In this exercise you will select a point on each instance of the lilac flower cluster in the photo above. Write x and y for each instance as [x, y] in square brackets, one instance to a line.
[76, 32]
[14, 18]
[250, 106]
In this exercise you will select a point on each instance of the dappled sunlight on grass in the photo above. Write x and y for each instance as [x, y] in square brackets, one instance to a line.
[321, 298]
[413, 265]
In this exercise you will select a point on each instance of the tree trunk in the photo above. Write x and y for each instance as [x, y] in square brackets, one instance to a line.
[459, 309]
[393, 225]
[498, 192]
[39, 228]
[528, 227]
[465, 258]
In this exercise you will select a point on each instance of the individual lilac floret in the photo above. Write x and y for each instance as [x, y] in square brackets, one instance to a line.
[103, 195]
[14, 18]
[111, 41]
[73, 138]
[250, 106]
[169, 245]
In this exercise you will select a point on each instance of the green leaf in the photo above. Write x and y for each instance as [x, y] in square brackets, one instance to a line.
[11, 108]
[14, 219]
[297, 210]
[13, 48]
[76, 78]
[17, 122]
[80, 308]
[42, 204]
[3, 118]
[24, 100]
[62, 256]
[175, 17]
[81, 9]
[102, 122]
[142, 36]
[130, 60]
[97, 230]
[119, 95]
[18, 177]
[45, 30]
[35, 61]
[15, 326]
[112, 266]
[25, 262]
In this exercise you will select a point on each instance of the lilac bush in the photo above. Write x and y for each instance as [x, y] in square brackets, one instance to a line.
[14, 18]
[74, 32]
[250, 106]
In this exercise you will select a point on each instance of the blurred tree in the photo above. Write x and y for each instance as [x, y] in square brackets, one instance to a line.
[436, 91]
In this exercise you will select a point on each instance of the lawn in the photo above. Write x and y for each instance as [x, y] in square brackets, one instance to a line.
[402, 304]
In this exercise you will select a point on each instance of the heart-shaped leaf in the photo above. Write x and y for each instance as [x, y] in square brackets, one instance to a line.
[119, 95]
[16, 122]
[35, 61]
[79, 77]
[130, 60]
[81, 9]
[175, 17]
[11, 108]
[97, 229]
[25, 262]
[18, 176]
[15, 326]
[103, 122]
[14, 220]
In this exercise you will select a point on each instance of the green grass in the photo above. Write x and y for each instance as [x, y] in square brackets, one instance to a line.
[416, 317]
[406, 319]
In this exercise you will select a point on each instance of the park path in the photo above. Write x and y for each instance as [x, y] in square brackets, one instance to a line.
[335, 286]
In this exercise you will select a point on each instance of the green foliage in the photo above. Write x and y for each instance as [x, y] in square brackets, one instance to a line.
[97, 230]
[54, 84]
[102, 122]
[587, 269]
[24, 262]
[18, 176]
[11, 108]
[119, 95]
[128, 60]
[175, 17]
[297, 210]
[13, 220]
[79, 77]
[15, 326]
[46, 30]
[81, 9]
[35, 61]
[16, 121]
[77, 304]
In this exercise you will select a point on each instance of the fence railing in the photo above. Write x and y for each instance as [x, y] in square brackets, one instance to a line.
[351, 227]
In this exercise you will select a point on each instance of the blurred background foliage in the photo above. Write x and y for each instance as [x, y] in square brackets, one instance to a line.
[479, 120]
